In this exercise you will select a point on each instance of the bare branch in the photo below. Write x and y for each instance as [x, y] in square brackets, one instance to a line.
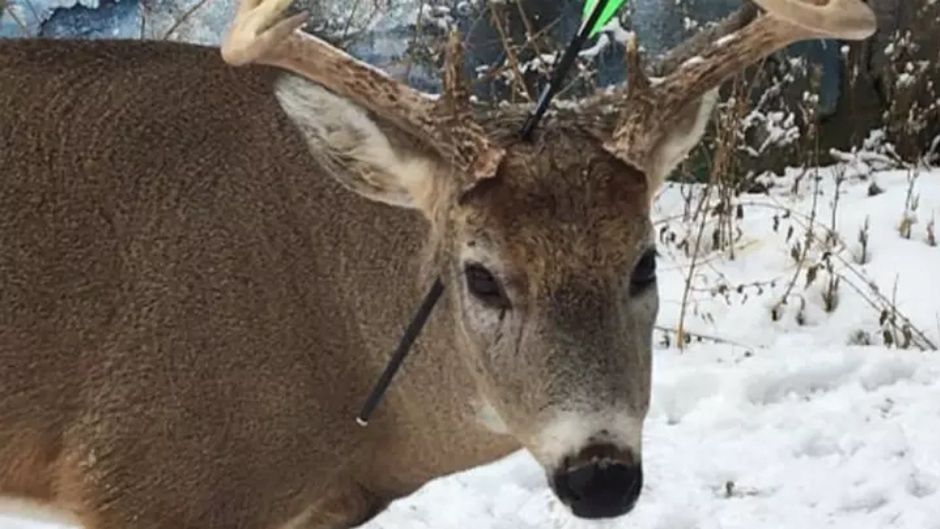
[16, 19]
[184, 17]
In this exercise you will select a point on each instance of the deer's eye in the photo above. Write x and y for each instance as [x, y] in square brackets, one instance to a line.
[485, 287]
[644, 274]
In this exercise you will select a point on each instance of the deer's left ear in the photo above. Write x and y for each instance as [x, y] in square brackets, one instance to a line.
[678, 141]
[369, 159]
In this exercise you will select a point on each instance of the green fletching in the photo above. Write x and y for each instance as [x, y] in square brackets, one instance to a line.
[609, 11]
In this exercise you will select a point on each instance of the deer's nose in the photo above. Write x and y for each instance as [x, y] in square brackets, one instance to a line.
[599, 486]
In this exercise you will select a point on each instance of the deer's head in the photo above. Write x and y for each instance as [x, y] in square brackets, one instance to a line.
[545, 245]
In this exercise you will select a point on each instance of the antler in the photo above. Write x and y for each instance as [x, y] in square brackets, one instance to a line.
[258, 36]
[649, 111]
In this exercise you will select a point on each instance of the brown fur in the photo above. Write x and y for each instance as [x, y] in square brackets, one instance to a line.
[27, 464]
[188, 309]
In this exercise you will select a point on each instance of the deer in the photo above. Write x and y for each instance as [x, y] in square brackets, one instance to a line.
[206, 251]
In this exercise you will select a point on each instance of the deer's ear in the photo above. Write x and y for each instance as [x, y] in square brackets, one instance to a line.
[678, 141]
[370, 160]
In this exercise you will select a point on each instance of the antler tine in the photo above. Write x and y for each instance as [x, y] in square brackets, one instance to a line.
[455, 90]
[256, 36]
[467, 137]
[645, 120]
[639, 82]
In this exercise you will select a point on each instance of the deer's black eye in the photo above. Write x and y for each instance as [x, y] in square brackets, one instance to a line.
[485, 287]
[644, 275]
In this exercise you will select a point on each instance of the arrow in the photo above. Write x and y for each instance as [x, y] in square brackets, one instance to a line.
[608, 13]
[598, 13]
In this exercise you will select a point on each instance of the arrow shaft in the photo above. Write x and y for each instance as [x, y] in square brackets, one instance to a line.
[561, 70]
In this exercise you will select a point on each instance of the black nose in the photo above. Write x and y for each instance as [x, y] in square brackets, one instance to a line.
[600, 489]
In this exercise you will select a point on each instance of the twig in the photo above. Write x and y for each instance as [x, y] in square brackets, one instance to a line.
[409, 63]
[727, 141]
[530, 32]
[16, 19]
[911, 203]
[701, 337]
[189, 12]
[143, 20]
[680, 330]
[808, 242]
[932, 232]
[32, 9]
[518, 81]
[352, 13]
[834, 221]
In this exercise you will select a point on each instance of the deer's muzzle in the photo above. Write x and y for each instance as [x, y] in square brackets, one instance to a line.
[602, 481]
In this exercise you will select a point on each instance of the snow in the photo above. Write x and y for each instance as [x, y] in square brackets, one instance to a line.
[811, 420]
[603, 41]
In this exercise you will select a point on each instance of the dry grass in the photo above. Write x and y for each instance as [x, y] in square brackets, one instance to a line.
[932, 233]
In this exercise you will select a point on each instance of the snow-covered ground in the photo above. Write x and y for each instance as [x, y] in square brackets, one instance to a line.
[809, 421]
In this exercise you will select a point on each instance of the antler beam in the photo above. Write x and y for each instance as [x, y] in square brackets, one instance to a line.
[647, 115]
[259, 36]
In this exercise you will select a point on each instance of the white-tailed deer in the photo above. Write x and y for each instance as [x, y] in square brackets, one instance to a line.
[203, 267]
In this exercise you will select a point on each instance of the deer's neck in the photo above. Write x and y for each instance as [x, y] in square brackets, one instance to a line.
[432, 421]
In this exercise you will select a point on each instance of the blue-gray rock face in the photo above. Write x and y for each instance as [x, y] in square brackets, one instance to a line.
[122, 19]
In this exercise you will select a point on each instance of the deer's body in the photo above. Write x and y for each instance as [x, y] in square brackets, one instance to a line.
[203, 268]
[179, 278]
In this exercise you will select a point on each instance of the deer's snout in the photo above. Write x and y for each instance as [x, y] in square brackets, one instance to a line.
[602, 481]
